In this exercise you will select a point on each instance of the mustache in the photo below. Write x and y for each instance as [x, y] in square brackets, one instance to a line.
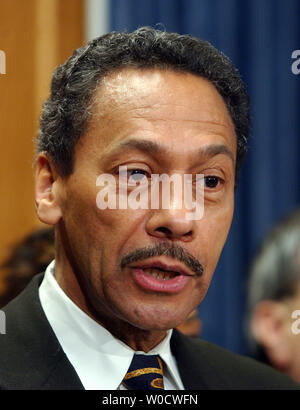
[167, 249]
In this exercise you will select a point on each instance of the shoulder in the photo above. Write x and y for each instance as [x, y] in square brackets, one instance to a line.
[29, 349]
[219, 368]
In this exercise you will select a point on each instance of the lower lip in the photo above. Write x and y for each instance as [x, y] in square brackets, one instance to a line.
[150, 283]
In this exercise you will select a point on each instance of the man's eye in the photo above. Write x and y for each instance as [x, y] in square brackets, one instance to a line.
[137, 174]
[211, 181]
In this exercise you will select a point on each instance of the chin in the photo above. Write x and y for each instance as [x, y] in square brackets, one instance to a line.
[158, 320]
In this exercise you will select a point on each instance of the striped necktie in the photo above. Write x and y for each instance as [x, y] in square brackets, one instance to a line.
[144, 373]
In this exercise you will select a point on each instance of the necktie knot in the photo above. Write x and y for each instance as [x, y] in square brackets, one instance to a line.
[145, 373]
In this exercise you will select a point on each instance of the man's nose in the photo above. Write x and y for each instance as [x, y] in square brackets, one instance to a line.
[171, 224]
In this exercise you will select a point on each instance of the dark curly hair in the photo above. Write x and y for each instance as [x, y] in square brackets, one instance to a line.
[66, 113]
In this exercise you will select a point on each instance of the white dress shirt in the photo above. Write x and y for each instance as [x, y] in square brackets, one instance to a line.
[99, 359]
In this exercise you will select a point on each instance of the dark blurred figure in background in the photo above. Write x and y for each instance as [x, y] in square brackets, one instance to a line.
[192, 325]
[274, 299]
[27, 258]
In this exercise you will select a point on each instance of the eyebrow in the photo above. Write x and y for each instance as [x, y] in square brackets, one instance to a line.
[152, 147]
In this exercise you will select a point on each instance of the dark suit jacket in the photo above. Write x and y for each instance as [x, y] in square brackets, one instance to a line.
[31, 357]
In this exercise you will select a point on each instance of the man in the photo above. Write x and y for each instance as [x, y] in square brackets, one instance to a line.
[274, 298]
[128, 107]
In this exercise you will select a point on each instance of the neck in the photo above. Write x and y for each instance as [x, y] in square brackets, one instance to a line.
[137, 339]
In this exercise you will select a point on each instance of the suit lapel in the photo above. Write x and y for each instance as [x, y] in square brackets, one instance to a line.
[187, 362]
[32, 347]
[195, 363]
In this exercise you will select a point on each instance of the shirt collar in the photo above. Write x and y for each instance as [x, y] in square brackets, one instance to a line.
[90, 347]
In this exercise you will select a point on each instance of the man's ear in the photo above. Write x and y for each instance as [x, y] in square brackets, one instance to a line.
[46, 192]
[268, 325]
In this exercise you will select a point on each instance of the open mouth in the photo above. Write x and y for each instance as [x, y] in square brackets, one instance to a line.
[160, 273]
[159, 280]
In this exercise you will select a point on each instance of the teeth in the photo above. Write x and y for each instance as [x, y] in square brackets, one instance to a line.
[158, 274]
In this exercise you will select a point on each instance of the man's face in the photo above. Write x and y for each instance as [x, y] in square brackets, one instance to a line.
[157, 122]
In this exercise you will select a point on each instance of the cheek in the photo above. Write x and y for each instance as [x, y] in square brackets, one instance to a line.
[122, 231]
[82, 224]
[100, 236]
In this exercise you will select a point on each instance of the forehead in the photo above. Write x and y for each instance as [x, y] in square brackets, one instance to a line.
[161, 103]
[150, 88]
